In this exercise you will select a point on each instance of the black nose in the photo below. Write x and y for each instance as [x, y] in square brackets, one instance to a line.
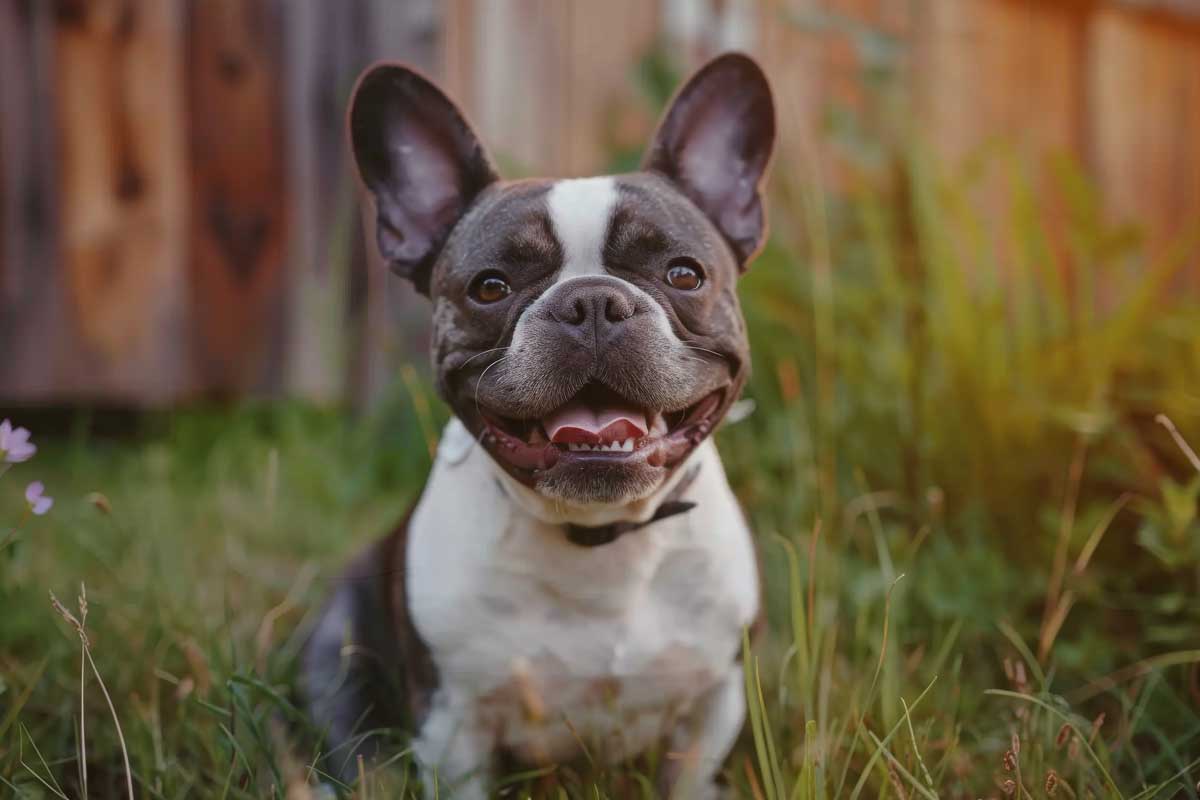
[593, 306]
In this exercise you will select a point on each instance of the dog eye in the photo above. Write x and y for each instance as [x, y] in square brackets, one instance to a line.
[490, 287]
[685, 274]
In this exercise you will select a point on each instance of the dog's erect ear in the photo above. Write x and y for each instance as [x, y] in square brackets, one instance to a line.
[421, 160]
[715, 142]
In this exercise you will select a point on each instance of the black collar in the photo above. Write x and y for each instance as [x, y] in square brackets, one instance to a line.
[594, 536]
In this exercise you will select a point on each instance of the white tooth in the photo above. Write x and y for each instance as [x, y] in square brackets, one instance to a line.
[627, 445]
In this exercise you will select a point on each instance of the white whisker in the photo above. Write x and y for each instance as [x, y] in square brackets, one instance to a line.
[480, 380]
[705, 350]
[481, 353]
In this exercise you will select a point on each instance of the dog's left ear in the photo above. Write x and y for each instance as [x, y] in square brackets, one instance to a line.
[715, 142]
[421, 160]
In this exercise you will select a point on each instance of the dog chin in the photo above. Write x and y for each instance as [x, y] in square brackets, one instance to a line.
[600, 484]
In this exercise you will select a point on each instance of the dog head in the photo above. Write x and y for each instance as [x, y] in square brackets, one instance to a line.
[587, 331]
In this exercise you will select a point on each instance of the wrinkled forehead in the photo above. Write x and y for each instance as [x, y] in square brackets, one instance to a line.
[576, 225]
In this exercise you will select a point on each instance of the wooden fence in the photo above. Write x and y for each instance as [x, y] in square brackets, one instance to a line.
[177, 217]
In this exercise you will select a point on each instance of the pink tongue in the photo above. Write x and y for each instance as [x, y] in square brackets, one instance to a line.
[576, 423]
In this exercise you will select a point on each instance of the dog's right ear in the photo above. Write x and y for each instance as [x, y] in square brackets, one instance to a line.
[715, 143]
[421, 160]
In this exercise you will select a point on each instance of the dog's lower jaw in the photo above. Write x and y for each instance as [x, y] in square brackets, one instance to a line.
[583, 494]
[560, 509]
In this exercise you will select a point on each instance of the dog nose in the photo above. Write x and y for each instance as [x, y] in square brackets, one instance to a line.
[593, 305]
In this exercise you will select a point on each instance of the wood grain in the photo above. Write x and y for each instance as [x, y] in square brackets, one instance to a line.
[117, 69]
[1144, 118]
[239, 213]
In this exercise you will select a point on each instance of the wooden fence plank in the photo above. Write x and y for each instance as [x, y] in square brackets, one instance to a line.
[324, 48]
[239, 229]
[29, 329]
[1005, 70]
[345, 316]
[580, 57]
[603, 114]
[1144, 115]
[389, 320]
[121, 200]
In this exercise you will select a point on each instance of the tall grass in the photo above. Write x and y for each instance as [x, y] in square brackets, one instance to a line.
[976, 394]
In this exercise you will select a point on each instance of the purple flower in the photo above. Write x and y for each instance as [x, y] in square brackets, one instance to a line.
[39, 503]
[15, 446]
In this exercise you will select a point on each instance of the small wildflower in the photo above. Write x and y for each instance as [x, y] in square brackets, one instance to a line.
[39, 502]
[15, 446]
[1051, 782]
[1009, 786]
[1010, 761]
[1016, 745]
[1063, 734]
[1097, 723]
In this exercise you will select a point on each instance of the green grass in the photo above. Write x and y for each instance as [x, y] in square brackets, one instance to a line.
[976, 540]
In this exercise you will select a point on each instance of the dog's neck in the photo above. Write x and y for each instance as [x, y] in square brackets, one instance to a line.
[458, 443]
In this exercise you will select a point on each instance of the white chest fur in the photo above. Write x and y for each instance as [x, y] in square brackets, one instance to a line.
[541, 644]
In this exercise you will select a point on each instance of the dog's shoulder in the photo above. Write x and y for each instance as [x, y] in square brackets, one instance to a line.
[365, 667]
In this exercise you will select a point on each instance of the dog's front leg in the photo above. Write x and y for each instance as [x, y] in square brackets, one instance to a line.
[703, 739]
[454, 751]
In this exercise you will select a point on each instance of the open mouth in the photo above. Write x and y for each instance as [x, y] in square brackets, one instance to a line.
[597, 424]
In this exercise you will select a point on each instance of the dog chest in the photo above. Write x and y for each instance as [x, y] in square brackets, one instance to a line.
[614, 659]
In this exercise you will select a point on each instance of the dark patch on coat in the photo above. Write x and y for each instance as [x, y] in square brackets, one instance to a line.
[365, 667]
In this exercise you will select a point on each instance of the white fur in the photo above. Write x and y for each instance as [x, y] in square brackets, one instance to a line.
[629, 642]
[580, 210]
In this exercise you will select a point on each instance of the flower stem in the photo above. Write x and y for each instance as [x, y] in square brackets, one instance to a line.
[10, 535]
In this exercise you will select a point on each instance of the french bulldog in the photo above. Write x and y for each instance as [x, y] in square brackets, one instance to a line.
[577, 574]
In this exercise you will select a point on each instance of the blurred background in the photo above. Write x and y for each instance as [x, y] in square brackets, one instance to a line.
[179, 219]
[981, 291]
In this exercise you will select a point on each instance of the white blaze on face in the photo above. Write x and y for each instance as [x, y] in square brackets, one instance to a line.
[580, 210]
